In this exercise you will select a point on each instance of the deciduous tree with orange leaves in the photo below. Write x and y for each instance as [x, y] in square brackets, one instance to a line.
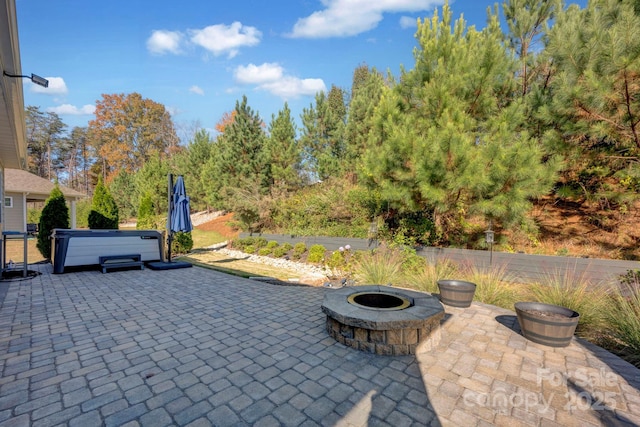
[129, 129]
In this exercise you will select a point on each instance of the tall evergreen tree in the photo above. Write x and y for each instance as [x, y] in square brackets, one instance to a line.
[448, 140]
[323, 133]
[239, 171]
[151, 180]
[190, 164]
[104, 212]
[366, 90]
[528, 22]
[55, 214]
[284, 151]
[45, 137]
[594, 107]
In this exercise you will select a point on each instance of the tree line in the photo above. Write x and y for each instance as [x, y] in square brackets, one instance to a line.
[486, 121]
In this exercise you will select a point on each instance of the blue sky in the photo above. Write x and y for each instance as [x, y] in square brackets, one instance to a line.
[199, 57]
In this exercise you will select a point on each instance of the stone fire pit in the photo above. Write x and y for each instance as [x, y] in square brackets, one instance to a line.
[383, 320]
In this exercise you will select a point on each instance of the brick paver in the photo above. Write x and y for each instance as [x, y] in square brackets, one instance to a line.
[197, 347]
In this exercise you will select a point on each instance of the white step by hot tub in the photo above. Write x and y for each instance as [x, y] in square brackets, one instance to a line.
[74, 248]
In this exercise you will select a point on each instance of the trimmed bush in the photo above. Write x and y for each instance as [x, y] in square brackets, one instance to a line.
[182, 242]
[282, 250]
[272, 244]
[266, 251]
[55, 214]
[316, 253]
[298, 250]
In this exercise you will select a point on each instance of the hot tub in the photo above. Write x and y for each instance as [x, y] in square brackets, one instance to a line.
[74, 248]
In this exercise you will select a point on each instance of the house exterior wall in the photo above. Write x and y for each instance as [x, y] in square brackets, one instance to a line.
[14, 217]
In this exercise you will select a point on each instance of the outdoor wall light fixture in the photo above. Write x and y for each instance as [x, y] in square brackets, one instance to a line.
[34, 78]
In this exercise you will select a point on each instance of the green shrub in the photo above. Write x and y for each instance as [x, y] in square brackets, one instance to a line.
[241, 244]
[182, 242]
[337, 260]
[266, 251]
[316, 253]
[272, 244]
[33, 215]
[250, 249]
[146, 215]
[282, 250]
[298, 250]
[55, 214]
[259, 242]
[380, 267]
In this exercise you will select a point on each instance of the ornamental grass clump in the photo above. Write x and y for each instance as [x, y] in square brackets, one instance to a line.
[494, 285]
[576, 292]
[379, 267]
[623, 319]
[426, 279]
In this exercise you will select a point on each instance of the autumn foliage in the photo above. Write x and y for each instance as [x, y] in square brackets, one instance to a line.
[129, 129]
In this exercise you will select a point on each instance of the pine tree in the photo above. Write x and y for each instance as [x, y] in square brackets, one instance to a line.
[323, 134]
[284, 151]
[366, 90]
[594, 110]
[55, 214]
[190, 163]
[448, 140]
[104, 212]
[146, 219]
[238, 174]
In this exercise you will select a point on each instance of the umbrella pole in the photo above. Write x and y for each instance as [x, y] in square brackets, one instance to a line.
[169, 233]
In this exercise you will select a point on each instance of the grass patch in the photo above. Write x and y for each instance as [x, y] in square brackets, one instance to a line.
[204, 239]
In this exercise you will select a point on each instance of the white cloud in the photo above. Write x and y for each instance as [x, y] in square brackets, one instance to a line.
[272, 78]
[343, 18]
[57, 86]
[408, 22]
[222, 39]
[292, 87]
[162, 41]
[72, 110]
[196, 89]
[258, 74]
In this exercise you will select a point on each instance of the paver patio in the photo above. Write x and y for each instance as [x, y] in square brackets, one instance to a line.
[197, 347]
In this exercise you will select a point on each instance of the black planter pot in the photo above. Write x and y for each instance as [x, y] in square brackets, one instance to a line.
[547, 324]
[456, 293]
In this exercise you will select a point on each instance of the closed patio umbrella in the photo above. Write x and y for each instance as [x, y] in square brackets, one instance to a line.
[179, 218]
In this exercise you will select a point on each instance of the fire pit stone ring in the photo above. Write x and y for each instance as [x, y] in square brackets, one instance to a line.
[383, 320]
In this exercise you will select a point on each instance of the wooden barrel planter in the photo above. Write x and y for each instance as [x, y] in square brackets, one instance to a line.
[547, 324]
[456, 293]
